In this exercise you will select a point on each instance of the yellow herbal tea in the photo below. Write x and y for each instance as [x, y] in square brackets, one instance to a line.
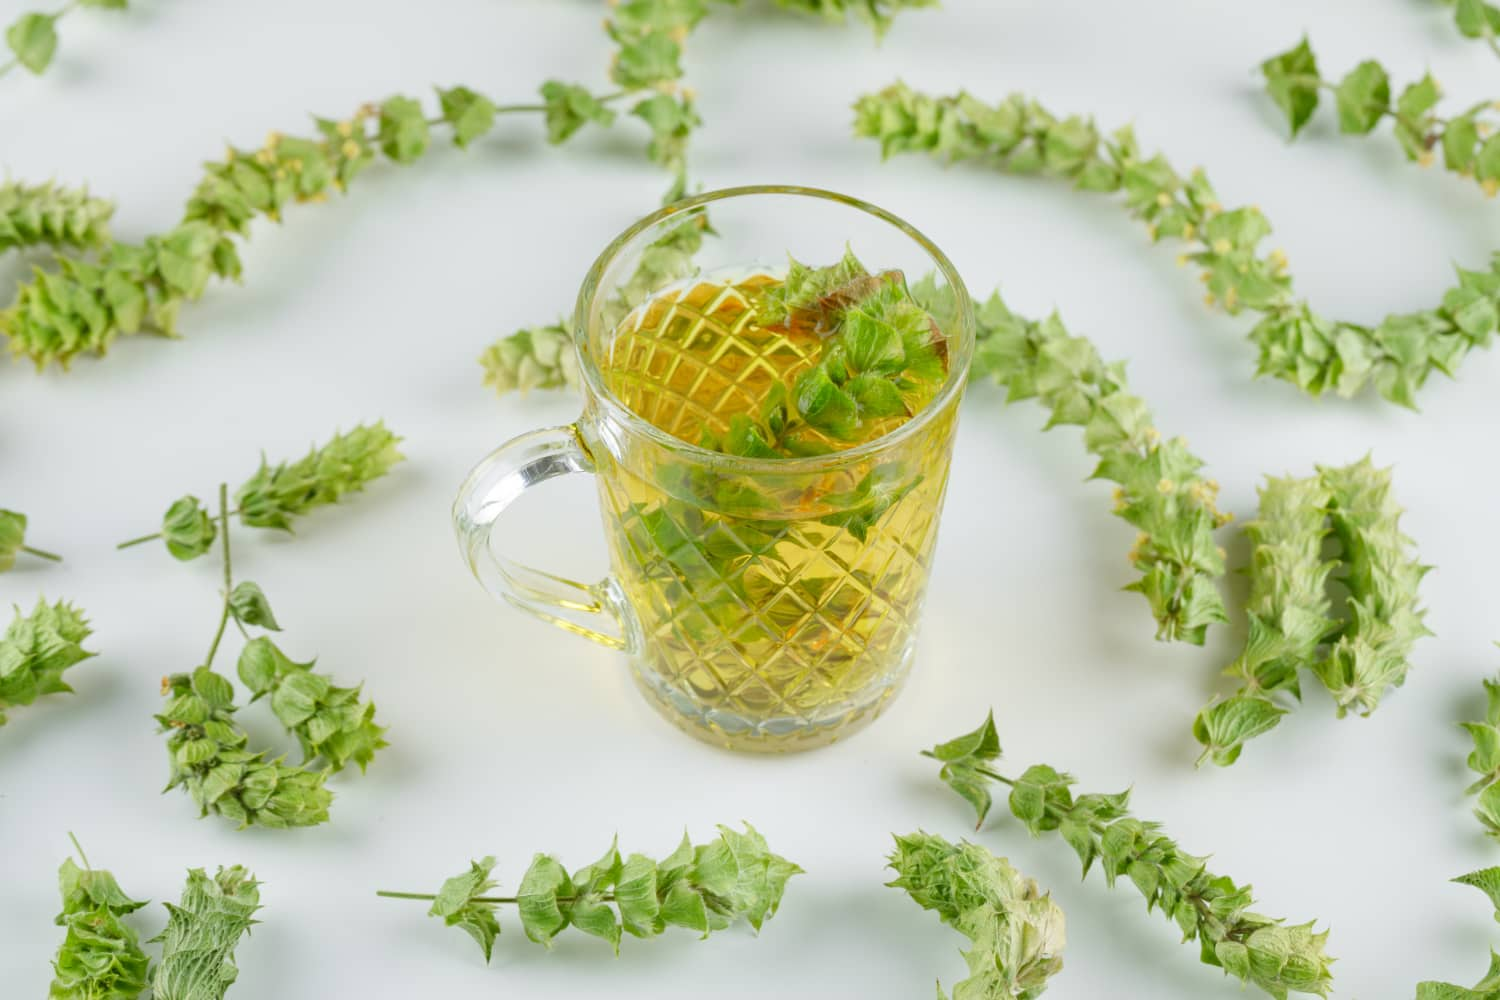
[774, 606]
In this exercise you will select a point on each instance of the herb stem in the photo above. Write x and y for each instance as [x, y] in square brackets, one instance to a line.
[79, 848]
[228, 575]
[512, 109]
[42, 553]
[607, 897]
[142, 540]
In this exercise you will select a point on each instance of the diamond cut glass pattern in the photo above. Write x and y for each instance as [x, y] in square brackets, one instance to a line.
[773, 630]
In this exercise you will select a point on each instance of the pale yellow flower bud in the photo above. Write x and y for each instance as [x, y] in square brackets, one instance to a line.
[1425, 158]
[1222, 246]
[1166, 487]
[350, 149]
[1163, 199]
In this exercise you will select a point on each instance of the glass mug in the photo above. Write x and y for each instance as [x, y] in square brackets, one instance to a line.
[765, 604]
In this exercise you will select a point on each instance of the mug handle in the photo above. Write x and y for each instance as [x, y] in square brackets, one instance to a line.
[492, 486]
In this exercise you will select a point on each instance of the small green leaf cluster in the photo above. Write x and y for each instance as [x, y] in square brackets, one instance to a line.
[1210, 909]
[1368, 647]
[533, 358]
[45, 214]
[1381, 575]
[704, 887]
[881, 356]
[1484, 761]
[32, 37]
[13, 540]
[1364, 96]
[331, 723]
[203, 929]
[1487, 881]
[1017, 932]
[37, 649]
[1160, 489]
[276, 495]
[208, 754]
[1313, 352]
[100, 957]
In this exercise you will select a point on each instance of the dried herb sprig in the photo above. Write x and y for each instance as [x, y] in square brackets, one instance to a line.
[1160, 490]
[1382, 576]
[1484, 761]
[276, 495]
[37, 649]
[1487, 881]
[1364, 97]
[1288, 612]
[203, 929]
[1210, 909]
[100, 957]
[1017, 931]
[13, 540]
[49, 215]
[32, 37]
[1372, 638]
[704, 888]
[1296, 344]
[207, 749]
[539, 357]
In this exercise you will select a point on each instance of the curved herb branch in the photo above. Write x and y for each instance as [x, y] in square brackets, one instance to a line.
[1315, 353]
[1211, 909]
[1468, 142]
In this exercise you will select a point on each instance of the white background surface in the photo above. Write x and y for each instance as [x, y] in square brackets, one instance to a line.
[509, 737]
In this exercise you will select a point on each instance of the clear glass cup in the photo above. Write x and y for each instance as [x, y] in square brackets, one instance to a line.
[764, 604]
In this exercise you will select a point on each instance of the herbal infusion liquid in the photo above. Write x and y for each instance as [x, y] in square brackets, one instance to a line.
[773, 607]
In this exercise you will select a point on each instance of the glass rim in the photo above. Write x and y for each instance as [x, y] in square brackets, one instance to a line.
[952, 386]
